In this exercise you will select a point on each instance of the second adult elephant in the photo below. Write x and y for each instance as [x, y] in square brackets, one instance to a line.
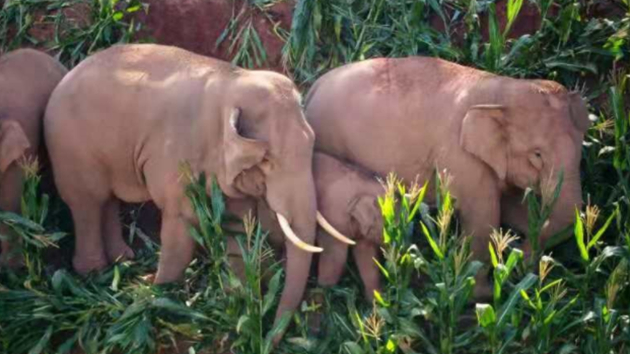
[495, 135]
[121, 123]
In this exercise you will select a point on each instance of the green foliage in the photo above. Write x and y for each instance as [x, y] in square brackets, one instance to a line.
[108, 22]
[571, 297]
[326, 34]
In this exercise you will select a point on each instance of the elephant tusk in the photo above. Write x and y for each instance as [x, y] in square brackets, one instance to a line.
[288, 231]
[332, 231]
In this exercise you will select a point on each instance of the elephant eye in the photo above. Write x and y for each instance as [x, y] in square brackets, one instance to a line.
[266, 165]
[536, 159]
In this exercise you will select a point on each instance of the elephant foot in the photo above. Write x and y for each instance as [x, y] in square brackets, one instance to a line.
[316, 318]
[165, 276]
[119, 251]
[84, 265]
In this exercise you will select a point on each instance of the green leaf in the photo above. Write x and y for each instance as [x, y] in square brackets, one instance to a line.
[241, 322]
[43, 342]
[390, 346]
[485, 315]
[280, 327]
[571, 66]
[270, 296]
[380, 299]
[118, 15]
[432, 243]
[516, 256]
[496, 39]
[352, 348]
[579, 236]
[513, 8]
[418, 202]
[601, 231]
[493, 255]
[116, 279]
[178, 308]
[510, 304]
[383, 270]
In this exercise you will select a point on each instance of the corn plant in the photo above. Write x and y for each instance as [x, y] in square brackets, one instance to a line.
[111, 22]
[18, 15]
[32, 235]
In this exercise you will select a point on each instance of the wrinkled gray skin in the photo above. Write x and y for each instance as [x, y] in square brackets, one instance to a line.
[348, 199]
[121, 122]
[494, 135]
[27, 78]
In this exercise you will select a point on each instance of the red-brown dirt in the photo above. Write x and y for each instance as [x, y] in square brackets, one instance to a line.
[197, 25]
[527, 22]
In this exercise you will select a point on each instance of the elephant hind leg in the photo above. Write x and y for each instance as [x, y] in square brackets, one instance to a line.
[89, 251]
[115, 245]
[83, 186]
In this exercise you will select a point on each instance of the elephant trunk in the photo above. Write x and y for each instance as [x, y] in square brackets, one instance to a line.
[563, 213]
[295, 202]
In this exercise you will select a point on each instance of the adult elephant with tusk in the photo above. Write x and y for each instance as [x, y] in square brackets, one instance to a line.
[119, 125]
[495, 135]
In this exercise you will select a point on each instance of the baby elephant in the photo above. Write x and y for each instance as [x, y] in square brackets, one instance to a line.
[348, 199]
[27, 78]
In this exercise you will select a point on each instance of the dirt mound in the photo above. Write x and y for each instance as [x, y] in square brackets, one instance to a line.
[201, 26]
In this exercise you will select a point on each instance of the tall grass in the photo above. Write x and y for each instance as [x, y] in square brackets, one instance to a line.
[572, 297]
[107, 22]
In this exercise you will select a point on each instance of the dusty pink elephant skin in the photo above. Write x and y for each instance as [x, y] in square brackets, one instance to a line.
[348, 199]
[120, 123]
[494, 135]
[27, 78]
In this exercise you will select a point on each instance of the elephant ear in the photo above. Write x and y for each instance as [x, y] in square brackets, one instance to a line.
[579, 113]
[240, 153]
[366, 215]
[13, 143]
[483, 135]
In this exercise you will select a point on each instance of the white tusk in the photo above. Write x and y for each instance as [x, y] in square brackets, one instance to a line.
[288, 231]
[332, 231]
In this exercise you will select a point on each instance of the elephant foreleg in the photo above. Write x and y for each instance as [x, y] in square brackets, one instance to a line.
[364, 254]
[332, 261]
[10, 194]
[177, 248]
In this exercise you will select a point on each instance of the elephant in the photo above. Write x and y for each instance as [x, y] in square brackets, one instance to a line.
[122, 122]
[495, 136]
[347, 198]
[27, 79]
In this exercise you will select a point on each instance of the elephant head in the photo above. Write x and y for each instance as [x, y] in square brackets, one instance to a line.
[528, 131]
[267, 153]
